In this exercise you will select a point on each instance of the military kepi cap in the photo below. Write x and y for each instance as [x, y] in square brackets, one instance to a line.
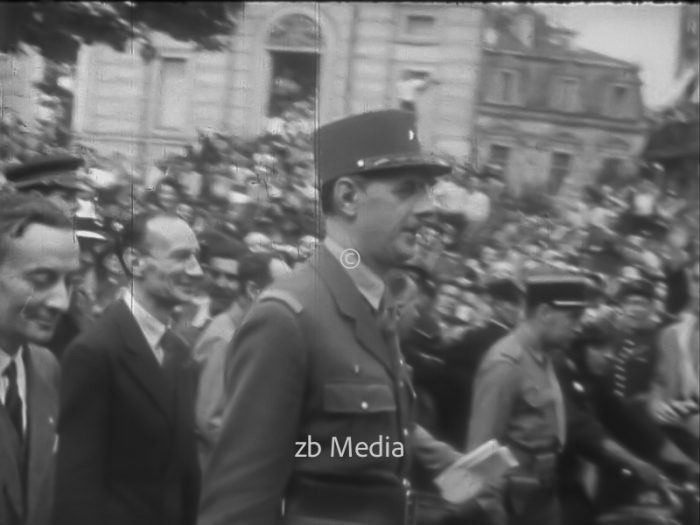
[559, 291]
[47, 172]
[372, 142]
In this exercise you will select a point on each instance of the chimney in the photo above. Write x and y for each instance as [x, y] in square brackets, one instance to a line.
[525, 29]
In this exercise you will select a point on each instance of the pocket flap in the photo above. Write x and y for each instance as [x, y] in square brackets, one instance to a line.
[354, 398]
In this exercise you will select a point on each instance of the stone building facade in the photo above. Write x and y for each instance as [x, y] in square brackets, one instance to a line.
[18, 74]
[550, 114]
[356, 52]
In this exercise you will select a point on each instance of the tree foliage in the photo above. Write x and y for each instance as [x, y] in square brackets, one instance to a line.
[58, 29]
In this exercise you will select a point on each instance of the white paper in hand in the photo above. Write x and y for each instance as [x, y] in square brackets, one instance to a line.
[464, 479]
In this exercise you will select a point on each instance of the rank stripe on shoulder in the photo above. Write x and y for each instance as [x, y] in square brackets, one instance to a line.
[284, 297]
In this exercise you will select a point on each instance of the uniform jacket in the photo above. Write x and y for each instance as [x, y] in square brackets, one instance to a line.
[517, 401]
[309, 363]
[42, 413]
[462, 361]
[127, 453]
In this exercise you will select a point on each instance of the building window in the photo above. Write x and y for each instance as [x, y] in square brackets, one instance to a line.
[620, 102]
[566, 96]
[610, 170]
[420, 25]
[498, 158]
[172, 94]
[559, 170]
[505, 87]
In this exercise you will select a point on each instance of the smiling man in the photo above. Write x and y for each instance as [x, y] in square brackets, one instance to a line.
[127, 452]
[38, 266]
[319, 423]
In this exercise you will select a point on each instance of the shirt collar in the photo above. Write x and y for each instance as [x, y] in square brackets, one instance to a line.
[6, 359]
[151, 327]
[527, 339]
[369, 284]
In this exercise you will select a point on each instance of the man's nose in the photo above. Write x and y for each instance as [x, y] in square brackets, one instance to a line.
[425, 205]
[194, 269]
[59, 297]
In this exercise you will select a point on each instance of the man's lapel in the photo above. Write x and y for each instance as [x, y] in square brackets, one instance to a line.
[10, 452]
[352, 305]
[42, 411]
[141, 362]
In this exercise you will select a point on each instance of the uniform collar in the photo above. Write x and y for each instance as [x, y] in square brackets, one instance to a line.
[528, 340]
[151, 327]
[369, 284]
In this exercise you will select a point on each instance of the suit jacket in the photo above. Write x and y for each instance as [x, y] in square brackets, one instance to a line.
[34, 505]
[309, 363]
[127, 453]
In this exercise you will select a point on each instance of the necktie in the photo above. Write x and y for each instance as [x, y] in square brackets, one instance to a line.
[173, 347]
[387, 316]
[13, 403]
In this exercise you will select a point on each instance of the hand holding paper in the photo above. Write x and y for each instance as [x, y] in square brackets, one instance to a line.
[465, 478]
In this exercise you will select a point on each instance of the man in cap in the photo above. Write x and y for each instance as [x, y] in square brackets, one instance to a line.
[55, 177]
[518, 401]
[314, 375]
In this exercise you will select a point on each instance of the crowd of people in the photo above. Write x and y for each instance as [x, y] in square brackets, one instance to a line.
[173, 263]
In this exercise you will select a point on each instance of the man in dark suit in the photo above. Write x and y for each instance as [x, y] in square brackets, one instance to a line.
[38, 265]
[127, 453]
[319, 420]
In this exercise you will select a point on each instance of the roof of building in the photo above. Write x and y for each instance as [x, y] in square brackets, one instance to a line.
[501, 20]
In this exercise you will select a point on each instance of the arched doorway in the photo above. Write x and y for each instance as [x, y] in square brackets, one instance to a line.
[294, 46]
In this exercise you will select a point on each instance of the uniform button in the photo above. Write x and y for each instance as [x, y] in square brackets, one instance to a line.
[401, 384]
[364, 405]
[356, 369]
[402, 362]
[405, 432]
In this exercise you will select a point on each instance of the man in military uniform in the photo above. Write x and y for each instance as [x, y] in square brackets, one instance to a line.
[518, 401]
[53, 177]
[314, 374]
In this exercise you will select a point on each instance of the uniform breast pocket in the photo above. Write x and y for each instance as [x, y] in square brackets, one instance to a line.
[358, 398]
[536, 395]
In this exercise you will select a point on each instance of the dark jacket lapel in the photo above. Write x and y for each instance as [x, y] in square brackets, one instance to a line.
[42, 401]
[352, 305]
[141, 362]
[10, 451]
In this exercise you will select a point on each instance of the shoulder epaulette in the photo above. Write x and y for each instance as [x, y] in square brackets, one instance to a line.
[284, 297]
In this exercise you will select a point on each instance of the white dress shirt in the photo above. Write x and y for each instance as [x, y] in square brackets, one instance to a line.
[5, 361]
[151, 327]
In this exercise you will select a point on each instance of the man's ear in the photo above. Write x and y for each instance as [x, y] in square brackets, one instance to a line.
[134, 262]
[346, 194]
[252, 290]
